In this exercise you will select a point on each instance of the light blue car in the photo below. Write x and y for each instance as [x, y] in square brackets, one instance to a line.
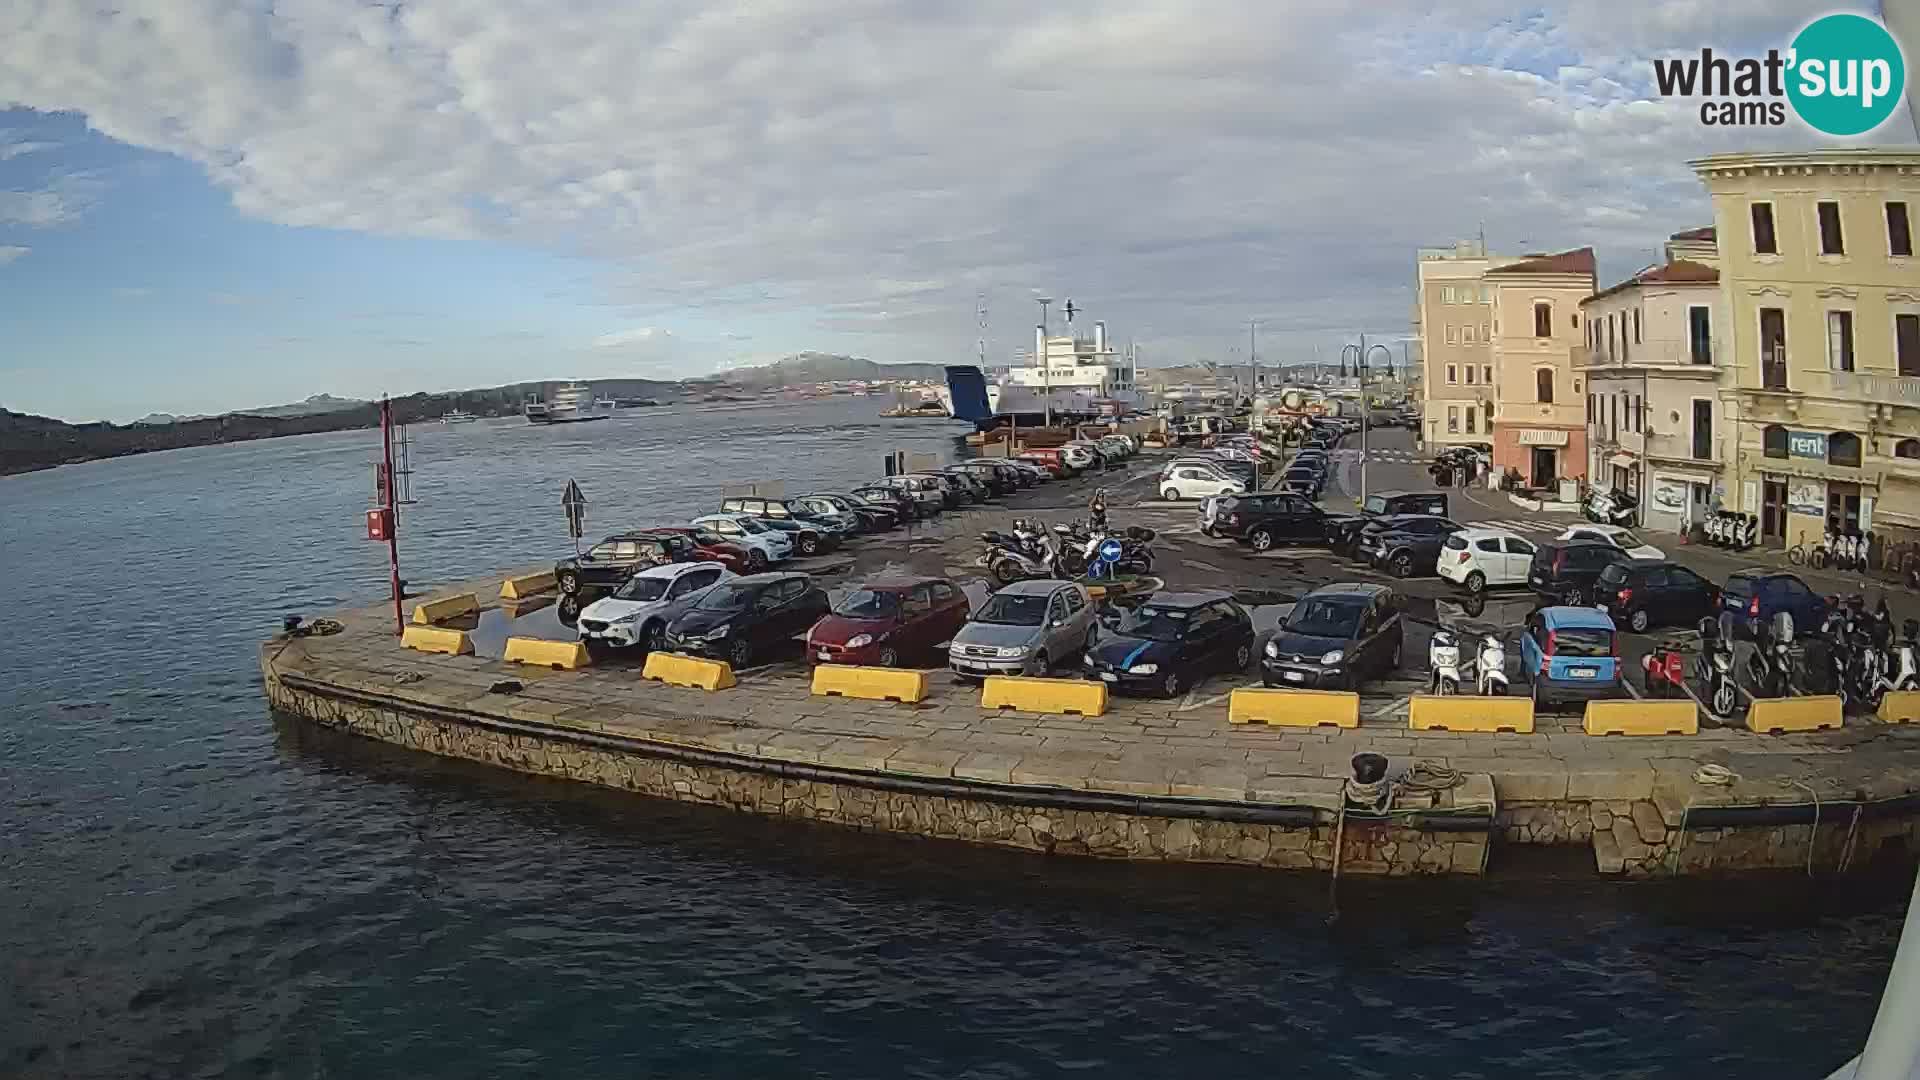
[1570, 654]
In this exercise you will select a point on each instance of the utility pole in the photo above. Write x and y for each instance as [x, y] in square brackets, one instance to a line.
[1046, 365]
[390, 499]
[1360, 370]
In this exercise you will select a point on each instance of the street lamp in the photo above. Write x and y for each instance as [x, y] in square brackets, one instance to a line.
[1361, 353]
[1046, 368]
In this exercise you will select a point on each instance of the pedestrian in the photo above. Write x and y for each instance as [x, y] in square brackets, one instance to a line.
[1097, 511]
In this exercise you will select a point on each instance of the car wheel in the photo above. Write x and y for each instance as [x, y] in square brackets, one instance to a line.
[1174, 684]
[1006, 571]
[1393, 662]
[1576, 597]
[569, 582]
[756, 561]
[1170, 494]
[1403, 565]
[1261, 539]
[1242, 657]
[654, 637]
[889, 657]
[1476, 582]
[740, 653]
[809, 545]
[1039, 665]
[1639, 620]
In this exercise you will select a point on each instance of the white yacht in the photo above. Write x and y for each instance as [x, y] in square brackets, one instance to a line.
[570, 403]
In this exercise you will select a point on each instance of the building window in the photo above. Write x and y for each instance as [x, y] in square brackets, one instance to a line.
[1773, 441]
[1471, 413]
[1773, 348]
[1703, 429]
[1899, 230]
[1700, 334]
[1470, 374]
[1906, 344]
[1843, 448]
[1453, 419]
[1466, 334]
[1907, 448]
[1831, 242]
[1446, 294]
[1486, 374]
[1543, 386]
[1488, 425]
[1839, 341]
[1542, 319]
[1453, 374]
[1589, 410]
[1636, 326]
[1763, 239]
[1639, 415]
[1449, 333]
[1609, 337]
[1486, 294]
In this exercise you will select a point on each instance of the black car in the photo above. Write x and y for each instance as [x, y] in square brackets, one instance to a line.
[1263, 520]
[749, 616]
[1758, 594]
[612, 561]
[1363, 544]
[1170, 641]
[986, 484]
[1411, 545]
[1000, 479]
[867, 517]
[1336, 637]
[888, 498]
[1242, 471]
[1385, 503]
[1642, 593]
[1303, 480]
[1569, 572]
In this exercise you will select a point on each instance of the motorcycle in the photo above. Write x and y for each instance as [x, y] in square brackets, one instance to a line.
[1008, 560]
[1443, 662]
[1899, 666]
[1715, 665]
[1490, 667]
[1610, 507]
[1666, 671]
[1770, 665]
[1717, 529]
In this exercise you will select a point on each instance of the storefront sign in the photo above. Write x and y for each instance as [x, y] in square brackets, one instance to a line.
[1669, 494]
[1807, 444]
[1806, 497]
[1541, 437]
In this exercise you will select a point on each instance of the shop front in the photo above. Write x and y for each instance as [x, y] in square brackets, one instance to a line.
[1542, 456]
[1677, 498]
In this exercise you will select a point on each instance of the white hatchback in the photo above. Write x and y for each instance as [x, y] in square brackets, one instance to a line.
[1198, 482]
[1618, 536]
[1479, 559]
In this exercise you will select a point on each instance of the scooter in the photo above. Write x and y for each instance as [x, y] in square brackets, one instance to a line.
[1443, 662]
[1717, 529]
[1715, 665]
[1011, 558]
[1666, 671]
[1771, 662]
[1749, 532]
[1490, 667]
[1610, 507]
[1900, 665]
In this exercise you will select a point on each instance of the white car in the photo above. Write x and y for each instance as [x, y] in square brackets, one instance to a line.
[1480, 559]
[1198, 482]
[1078, 456]
[638, 611]
[1619, 536]
[749, 533]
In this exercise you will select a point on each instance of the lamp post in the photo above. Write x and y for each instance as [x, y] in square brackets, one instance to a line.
[1046, 366]
[1361, 352]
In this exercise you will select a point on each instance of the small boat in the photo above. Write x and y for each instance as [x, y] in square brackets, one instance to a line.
[571, 403]
[458, 417]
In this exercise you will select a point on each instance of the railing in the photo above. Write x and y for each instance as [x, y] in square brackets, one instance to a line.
[1654, 352]
[1899, 389]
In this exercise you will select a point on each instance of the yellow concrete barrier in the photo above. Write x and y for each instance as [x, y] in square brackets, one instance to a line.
[1772, 716]
[1631, 717]
[1044, 695]
[560, 655]
[676, 669]
[872, 683]
[525, 585]
[1900, 707]
[1281, 707]
[437, 639]
[1470, 712]
[440, 609]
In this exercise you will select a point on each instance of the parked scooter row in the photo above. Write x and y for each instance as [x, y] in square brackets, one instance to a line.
[1064, 551]
[1730, 529]
[1487, 670]
[1864, 660]
[1611, 507]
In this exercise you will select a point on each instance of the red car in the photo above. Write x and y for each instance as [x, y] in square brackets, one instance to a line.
[713, 547]
[884, 623]
[1049, 458]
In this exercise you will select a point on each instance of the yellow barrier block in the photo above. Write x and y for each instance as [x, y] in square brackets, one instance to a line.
[1628, 717]
[439, 609]
[676, 669]
[525, 585]
[559, 655]
[1281, 707]
[1044, 695]
[1470, 712]
[437, 639]
[1900, 707]
[872, 683]
[1771, 716]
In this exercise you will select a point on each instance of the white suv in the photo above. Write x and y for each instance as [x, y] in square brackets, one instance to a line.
[1480, 559]
[1197, 482]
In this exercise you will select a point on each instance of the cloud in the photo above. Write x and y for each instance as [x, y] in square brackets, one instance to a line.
[623, 338]
[875, 165]
[15, 144]
[10, 252]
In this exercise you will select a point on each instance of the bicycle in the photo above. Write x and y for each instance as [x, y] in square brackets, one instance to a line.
[1797, 554]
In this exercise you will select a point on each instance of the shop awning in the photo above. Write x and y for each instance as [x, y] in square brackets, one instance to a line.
[1623, 461]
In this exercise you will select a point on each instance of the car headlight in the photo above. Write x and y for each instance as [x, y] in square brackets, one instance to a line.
[1087, 659]
[1143, 669]
[1273, 649]
[1012, 652]
[624, 620]
[719, 632]
[1333, 657]
[859, 641]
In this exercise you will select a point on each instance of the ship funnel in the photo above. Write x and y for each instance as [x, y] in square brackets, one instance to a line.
[1040, 346]
[1099, 338]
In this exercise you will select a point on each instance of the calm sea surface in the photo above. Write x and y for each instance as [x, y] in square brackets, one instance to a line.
[190, 887]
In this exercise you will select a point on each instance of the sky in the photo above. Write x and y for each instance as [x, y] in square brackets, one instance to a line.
[210, 205]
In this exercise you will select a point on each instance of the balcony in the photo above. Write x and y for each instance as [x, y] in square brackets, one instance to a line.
[1679, 356]
[1873, 387]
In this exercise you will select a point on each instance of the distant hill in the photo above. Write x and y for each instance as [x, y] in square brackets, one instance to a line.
[814, 367]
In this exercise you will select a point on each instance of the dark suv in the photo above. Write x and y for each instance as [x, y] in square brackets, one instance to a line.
[1411, 545]
[612, 561]
[1759, 593]
[1336, 636]
[1261, 521]
[1643, 593]
[1384, 504]
[1569, 573]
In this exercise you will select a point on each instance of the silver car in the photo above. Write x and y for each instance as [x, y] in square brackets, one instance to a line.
[1024, 629]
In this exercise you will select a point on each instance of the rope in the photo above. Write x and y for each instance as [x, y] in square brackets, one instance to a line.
[1715, 775]
[1814, 833]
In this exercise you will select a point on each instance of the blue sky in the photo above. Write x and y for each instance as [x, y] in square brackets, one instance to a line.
[212, 204]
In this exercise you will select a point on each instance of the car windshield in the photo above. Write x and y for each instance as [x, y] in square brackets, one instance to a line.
[728, 598]
[1155, 623]
[1582, 641]
[868, 604]
[1375, 505]
[1010, 609]
[643, 588]
[706, 537]
[1628, 540]
[1326, 617]
[1613, 573]
[753, 525]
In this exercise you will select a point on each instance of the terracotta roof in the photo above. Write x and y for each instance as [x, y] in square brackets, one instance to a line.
[1704, 232]
[1577, 261]
[1679, 271]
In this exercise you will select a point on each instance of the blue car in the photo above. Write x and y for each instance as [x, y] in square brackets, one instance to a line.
[1757, 595]
[1570, 654]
